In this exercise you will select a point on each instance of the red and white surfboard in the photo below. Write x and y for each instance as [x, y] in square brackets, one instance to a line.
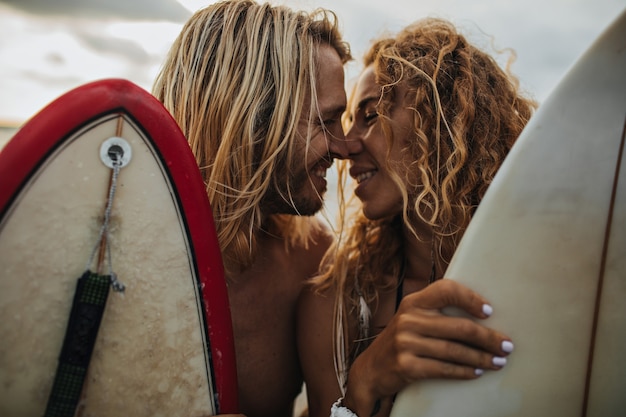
[164, 345]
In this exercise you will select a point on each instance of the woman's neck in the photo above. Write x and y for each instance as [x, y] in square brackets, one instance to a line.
[418, 256]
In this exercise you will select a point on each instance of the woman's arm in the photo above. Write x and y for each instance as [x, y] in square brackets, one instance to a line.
[422, 343]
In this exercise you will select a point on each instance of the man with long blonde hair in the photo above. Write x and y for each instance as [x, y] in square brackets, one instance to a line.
[259, 92]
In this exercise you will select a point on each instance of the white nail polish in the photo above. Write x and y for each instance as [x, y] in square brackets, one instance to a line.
[507, 346]
[487, 309]
[478, 372]
[498, 361]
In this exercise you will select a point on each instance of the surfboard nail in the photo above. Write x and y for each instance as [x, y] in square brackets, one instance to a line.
[115, 151]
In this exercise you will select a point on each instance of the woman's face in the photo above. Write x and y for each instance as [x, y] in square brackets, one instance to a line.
[368, 150]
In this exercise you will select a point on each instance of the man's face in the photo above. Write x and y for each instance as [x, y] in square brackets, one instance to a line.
[307, 184]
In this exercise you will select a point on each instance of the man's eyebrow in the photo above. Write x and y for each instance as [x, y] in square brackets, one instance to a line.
[334, 111]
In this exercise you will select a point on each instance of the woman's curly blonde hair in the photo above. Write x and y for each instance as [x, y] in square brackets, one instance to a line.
[467, 113]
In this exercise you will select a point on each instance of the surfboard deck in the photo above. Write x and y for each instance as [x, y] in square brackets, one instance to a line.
[165, 345]
[547, 247]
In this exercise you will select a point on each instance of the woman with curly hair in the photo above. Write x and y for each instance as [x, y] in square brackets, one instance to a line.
[431, 120]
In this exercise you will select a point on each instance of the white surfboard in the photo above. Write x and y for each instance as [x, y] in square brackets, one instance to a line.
[547, 247]
[164, 346]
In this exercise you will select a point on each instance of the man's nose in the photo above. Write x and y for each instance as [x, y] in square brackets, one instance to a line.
[337, 146]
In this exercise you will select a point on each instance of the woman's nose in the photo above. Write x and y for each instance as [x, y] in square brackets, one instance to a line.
[353, 142]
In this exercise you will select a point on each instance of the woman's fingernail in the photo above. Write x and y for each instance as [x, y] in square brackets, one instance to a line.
[487, 309]
[478, 372]
[498, 361]
[507, 346]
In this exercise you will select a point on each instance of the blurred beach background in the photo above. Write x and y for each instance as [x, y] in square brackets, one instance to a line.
[48, 47]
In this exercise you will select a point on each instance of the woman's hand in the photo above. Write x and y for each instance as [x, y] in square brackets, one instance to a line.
[421, 343]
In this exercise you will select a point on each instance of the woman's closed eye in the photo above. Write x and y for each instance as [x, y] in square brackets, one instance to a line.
[370, 117]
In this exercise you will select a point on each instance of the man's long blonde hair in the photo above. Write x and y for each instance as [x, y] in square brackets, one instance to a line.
[467, 113]
[236, 80]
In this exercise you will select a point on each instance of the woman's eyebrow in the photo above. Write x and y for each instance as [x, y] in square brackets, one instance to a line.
[366, 100]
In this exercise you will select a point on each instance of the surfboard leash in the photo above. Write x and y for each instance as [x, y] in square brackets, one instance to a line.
[91, 294]
[90, 298]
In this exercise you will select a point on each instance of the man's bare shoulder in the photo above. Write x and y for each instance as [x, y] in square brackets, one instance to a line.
[321, 237]
[307, 255]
